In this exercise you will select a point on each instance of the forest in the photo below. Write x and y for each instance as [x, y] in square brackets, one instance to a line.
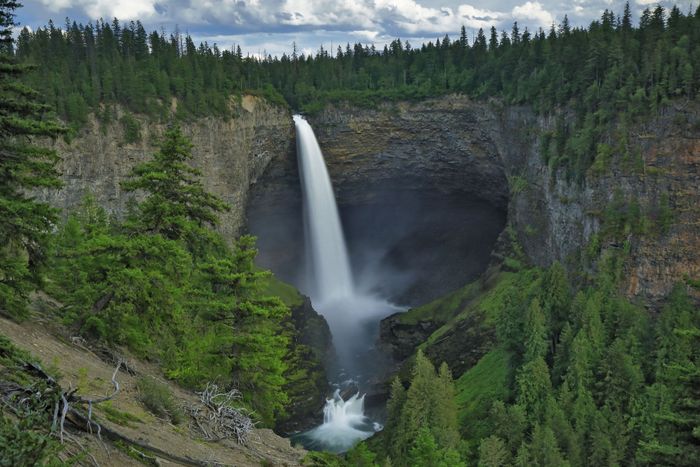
[615, 71]
[588, 378]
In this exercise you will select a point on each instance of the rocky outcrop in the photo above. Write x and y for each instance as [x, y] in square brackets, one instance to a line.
[231, 153]
[401, 339]
[308, 386]
[443, 145]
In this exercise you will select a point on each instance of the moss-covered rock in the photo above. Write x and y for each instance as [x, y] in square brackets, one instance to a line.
[310, 349]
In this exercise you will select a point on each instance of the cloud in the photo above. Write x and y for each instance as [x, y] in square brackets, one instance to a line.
[533, 12]
[408, 16]
[273, 25]
[122, 9]
[396, 17]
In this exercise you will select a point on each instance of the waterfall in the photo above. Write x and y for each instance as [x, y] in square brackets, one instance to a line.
[332, 278]
[344, 424]
[333, 294]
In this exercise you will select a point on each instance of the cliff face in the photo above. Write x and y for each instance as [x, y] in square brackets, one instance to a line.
[231, 154]
[444, 145]
[655, 170]
[487, 151]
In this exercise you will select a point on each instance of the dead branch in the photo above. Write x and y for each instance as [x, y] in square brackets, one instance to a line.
[216, 418]
[103, 302]
[69, 409]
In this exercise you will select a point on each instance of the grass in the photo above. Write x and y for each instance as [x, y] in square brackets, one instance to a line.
[442, 309]
[478, 388]
[488, 303]
[159, 400]
[117, 416]
[287, 293]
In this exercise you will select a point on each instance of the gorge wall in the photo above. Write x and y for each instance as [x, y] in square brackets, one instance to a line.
[447, 148]
[454, 147]
[231, 153]
[432, 158]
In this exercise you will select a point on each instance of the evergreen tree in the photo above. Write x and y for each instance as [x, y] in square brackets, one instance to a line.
[23, 167]
[423, 428]
[493, 452]
[250, 326]
[536, 344]
[176, 201]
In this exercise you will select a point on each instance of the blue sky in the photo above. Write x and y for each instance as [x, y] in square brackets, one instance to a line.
[271, 26]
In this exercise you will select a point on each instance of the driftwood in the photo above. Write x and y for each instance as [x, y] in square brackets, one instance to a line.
[215, 418]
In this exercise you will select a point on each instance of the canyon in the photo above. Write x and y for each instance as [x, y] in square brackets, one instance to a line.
[451, 172]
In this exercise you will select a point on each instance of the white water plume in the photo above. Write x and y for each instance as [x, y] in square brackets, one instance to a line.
[352, 317]
[332, 278]
[344, 424]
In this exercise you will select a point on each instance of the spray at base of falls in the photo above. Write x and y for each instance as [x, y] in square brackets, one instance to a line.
[344, 424]
[352, 317]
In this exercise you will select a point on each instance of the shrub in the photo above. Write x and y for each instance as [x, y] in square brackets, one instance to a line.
[158, 399]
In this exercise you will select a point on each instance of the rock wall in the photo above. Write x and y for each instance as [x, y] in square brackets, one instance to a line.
[231, 153]
[452, 144]
[444, 145]
[556, 218]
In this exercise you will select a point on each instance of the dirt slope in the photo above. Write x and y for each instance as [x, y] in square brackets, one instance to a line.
[79, 367]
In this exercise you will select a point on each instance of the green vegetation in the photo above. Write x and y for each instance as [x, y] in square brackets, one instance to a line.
[23, 166]
[588, 79]
[158, 399]
[476, 390]
[117, 416]
[441, 309]
[132, 129]
[422, 420]
[164, 284]
[578, 376]
[25, 428]
[287, 293]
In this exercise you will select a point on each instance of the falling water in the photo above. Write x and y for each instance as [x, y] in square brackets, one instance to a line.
[333, 294]
[329, 256]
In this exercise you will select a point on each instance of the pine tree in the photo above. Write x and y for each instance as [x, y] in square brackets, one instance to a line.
[425, 424]
[176, 203]
[23, 167]
[493, 452]
[394, 408]
[250, 326]
[536, 343]
[544, 451]
[534, 386]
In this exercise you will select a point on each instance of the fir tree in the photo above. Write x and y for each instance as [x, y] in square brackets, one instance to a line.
[176, 200]
[23, 167]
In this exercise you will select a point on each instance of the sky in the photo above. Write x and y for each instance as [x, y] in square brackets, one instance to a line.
[271, 26]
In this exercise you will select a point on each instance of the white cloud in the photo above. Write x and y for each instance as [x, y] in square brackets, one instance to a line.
[534, 12]
[274, 24]
[365, 35]
[412, 17]
[122, 9]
